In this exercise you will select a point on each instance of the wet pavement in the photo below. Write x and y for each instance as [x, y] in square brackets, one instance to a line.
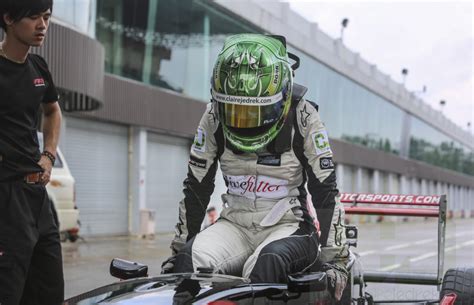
[387, 246]
[87, 261]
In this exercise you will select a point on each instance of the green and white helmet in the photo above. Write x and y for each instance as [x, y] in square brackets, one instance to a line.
[251, 89]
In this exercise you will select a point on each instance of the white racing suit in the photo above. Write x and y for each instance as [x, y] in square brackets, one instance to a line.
[264, 231]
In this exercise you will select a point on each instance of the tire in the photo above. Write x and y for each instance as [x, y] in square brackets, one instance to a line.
[461, 282]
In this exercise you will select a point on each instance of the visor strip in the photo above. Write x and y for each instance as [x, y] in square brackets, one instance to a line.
[247, 100]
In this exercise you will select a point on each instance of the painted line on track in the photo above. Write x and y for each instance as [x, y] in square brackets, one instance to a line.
[420, 242]
[459, 234]
[424, 241]
[428, 255]
[396, 247]
[391, 267]
[431, 254]
[464, 244]
[365, 253]
[415, 243]
[422, 257]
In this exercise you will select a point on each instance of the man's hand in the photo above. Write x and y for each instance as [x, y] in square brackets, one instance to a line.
[168, 265]
[47, 166]
[337, 279]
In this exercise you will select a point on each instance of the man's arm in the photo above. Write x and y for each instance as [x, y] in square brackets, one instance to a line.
[51, 128]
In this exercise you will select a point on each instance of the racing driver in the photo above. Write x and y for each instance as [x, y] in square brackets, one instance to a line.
[271, 145]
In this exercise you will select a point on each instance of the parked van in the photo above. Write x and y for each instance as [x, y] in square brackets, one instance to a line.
[61, 191]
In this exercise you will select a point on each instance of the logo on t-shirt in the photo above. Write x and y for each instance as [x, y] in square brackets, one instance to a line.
[38, 82]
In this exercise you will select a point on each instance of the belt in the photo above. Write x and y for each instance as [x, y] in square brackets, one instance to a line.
[33, 178]
[279, 210]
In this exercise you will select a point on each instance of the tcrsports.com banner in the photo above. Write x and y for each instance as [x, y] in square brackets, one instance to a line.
[390, 198]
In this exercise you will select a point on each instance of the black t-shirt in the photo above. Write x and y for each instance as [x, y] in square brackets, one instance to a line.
[23, 87]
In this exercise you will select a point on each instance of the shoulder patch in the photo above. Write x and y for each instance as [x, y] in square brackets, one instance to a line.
[321, 142]
[199, 143]
[326, 163]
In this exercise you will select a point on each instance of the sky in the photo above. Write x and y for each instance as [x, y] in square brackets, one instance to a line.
[432, 39]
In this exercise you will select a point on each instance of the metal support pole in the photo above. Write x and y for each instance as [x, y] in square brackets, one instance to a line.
[398, 278]
[150, 30]
[441, 237]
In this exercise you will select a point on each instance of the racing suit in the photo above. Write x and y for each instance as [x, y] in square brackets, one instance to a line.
[264, 231]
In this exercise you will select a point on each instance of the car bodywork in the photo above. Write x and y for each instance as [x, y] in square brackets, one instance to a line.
[201, 288]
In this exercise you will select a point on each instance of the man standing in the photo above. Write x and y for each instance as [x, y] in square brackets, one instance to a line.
[30, 250]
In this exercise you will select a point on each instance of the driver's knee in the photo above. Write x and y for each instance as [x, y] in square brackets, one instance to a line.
[270, 267]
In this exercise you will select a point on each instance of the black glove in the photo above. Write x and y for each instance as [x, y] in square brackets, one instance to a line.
[337, 279]
[168, 265]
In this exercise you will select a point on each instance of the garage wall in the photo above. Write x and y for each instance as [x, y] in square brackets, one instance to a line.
[97, 154]
[167, 166]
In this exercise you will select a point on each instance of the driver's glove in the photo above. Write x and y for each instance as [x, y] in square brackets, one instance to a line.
[337, 279]
[168, 265]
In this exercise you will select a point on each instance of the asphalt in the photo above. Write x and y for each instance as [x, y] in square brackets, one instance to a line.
[387, 246]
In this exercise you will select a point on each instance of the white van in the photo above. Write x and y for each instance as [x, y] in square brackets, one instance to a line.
[61, 191]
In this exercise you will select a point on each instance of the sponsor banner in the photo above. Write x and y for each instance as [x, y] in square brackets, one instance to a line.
[256, 186]
[390, 198]
[247, 100]
[321, 142]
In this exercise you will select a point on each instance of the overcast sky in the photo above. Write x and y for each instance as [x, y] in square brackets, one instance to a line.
[433, 40]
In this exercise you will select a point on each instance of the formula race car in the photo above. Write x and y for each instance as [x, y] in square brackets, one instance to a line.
[205, 287]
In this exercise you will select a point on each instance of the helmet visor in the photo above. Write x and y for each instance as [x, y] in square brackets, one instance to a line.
[248, 112]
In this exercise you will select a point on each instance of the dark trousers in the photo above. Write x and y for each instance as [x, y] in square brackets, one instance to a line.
[31, 269]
